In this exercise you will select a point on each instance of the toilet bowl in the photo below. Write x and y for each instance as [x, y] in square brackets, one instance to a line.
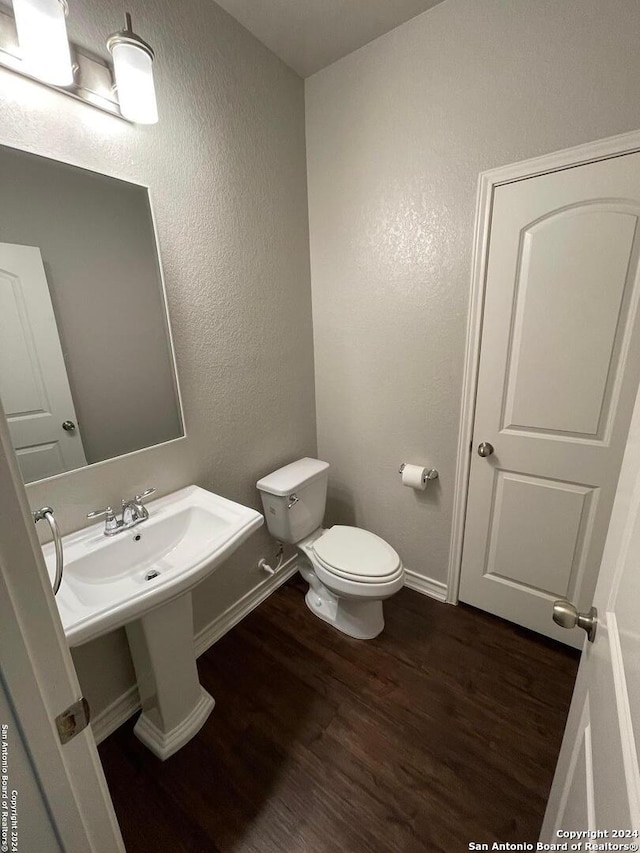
[350, 571]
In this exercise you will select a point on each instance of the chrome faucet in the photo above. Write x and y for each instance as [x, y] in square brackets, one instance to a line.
[133, 512]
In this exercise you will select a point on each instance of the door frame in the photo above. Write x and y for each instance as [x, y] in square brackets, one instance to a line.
[590, 152]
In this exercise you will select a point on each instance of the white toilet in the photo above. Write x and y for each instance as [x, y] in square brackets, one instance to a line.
[352, 571]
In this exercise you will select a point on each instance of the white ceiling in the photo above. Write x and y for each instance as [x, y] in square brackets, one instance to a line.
[311, 34]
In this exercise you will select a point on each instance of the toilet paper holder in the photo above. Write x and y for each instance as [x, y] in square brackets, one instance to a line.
[431, 474]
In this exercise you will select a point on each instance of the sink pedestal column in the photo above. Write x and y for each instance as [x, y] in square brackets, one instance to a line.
[174, 704]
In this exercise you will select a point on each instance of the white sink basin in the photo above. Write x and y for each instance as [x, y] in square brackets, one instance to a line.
[188, 534]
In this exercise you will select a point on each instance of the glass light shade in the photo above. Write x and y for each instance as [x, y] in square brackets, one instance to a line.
[133, 69]
[42, 34]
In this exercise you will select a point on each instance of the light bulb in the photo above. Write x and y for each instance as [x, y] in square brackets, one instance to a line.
[133, 69]
[42, 35]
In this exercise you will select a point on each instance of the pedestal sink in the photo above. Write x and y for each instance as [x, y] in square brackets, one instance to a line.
[142, 579]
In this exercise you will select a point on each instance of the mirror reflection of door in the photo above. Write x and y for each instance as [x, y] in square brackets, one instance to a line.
[34, 385]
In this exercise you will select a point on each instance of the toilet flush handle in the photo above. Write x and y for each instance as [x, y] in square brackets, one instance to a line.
[293, 500]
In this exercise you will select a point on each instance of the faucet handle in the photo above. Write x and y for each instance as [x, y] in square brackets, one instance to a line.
[147, 493]
[107, 511]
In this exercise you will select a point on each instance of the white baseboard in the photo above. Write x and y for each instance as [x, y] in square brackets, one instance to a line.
[212, 632]
[117, 713]
[126, 705]
[426, 586]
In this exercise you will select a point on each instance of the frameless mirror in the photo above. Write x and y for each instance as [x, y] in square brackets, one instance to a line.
[87, 369]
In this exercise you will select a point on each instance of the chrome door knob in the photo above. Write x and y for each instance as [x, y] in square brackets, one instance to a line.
[485, 449]
[68, 426]
[567, 615]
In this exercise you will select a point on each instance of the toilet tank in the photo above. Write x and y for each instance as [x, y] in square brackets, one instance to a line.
[305, 480]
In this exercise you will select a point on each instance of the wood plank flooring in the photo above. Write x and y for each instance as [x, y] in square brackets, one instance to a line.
[444, 730]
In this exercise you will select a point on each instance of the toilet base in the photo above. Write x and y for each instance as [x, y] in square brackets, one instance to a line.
[362, 620]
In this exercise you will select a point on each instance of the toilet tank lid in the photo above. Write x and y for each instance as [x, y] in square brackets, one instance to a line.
[286, 480]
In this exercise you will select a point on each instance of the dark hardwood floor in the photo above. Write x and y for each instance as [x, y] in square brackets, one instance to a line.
[442, 731]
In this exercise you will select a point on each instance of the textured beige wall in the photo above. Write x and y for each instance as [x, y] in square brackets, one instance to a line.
[396, 136]
[226, 168]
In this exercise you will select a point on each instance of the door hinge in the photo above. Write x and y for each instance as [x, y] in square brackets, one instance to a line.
[72, 721]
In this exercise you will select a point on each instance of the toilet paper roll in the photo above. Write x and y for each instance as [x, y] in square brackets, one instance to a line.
[415, 477]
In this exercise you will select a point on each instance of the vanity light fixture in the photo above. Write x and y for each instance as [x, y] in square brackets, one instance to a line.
[133, 69]
[42, 36]
[33, 43]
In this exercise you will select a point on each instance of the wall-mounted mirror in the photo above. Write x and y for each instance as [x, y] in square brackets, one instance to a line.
[87, 370]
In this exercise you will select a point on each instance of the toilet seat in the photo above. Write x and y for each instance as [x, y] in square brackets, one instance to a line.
[357, 555]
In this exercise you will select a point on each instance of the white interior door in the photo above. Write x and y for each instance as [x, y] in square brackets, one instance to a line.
[597, 780]
[559, 368]
[59, 789]
[34, 386]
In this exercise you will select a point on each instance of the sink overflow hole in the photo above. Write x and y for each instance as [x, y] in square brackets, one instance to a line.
[137, 537]
[151, 575]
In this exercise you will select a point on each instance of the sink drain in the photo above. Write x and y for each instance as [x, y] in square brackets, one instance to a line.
[151, 575]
